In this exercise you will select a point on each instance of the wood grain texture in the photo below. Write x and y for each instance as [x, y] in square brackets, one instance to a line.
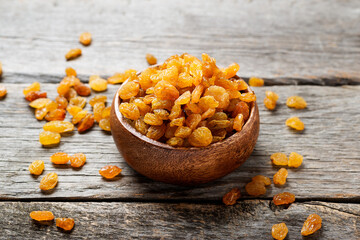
[183, 166]
[329, 145]
[286, 42]
[250, 219]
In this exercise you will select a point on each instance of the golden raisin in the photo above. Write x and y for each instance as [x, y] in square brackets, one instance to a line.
[207, 102]
[49, 138]
[255, 188]
[283, 198]
[295, 160]
[39, 103]
[129, 110]
[65, 223]
[184, 98]
[56, 115]
[295, 123]
[280, 177]
[231, 70]
[31, 96]
[58, 126]
[42, 216]
[279, 231]
[40, 113]
[153, 119]
[177, 122]
[77, 160]
[62, 102]
[70, 72]
[243, 108]
[106, 112]
[122, 77]
[156, 132]
[98, 84]
[60, 158]
[98, 108]
[279, 159]
[231, 197]
[141, 126]
[78, 101]
[200, 137]
[110, 171]
[311, 225]
[263, 179]
[129, 90]
[238, 122]
[3, 91]
[151, 59]
[175, 142]
[220, 95]
[97, 98]
[73, 53]
[73, 110]
[49, 181]
[256, 82]
[271, 95]
[36, 167]
[85, 38]
[79, 116]
[104, 124]
[296, 102]
[166, 91]
[193, 120]
[182, 132]
[86, 123]
[32, 88]
[82, 89]
[269, 103]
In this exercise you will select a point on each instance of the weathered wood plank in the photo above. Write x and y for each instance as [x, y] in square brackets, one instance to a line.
[329, 145]
[250, 219]
[287, 42]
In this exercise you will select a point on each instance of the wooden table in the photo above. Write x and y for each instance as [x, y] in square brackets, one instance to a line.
[307, 48]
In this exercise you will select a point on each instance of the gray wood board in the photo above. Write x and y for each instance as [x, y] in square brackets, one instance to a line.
[329, 144]
[250, 219]
[286, 42]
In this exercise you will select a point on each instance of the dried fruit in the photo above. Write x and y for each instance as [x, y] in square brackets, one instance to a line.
[151, 59]
[42, 216]
[70, 72]
[295, 160]
[156, 132]
[86, 123]
[58, 126]
[73, 53]
[65, 223]
[49, 181]
[269, 104]
[62, 102]
[32, 88]
[39, 103]
[129, 90]
[36, 167]
[295, 123]
[263, 179]
[271, 95]
[78, 101]
[231, 197]
[283, 198]
[31, 96]
[49, 138]
[56, 115]
[175, 142]
[97, 98]
[279, 231]
[280, 177]
[79, 116]
[82, 89]
[248, 97]
[256, 82]
[200, 137]
[238, 122]
[296, 102]
[98, 84]
[98, 109]
[3, 91]
[166, 91]
[255, 188]
[122, 77]
[110, 171]
[77, 160]
[85, 38]
[106, 112]
[104, 124]
[130, 111]
[279, 159]
[60, 158]
[311, 225]
[73, 110]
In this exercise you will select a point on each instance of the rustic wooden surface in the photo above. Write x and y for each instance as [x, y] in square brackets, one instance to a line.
[286, 42]
[246, 220]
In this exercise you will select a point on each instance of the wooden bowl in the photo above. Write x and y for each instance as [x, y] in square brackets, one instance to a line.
[183, 166]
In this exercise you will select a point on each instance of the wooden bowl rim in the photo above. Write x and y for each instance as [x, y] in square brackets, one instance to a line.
[144, 138]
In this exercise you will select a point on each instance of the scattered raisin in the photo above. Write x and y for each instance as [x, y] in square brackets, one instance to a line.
[104, 124]
[39, 103]
[60, 158]
[296, 102]
[34, 87]
[256, 82]
[56, 115]
[42, 216]
[295, 160]
[279, 231]
[58, 126]
[82, 89]
[65, 223]
[49, 138]
[73, 53]
[263, 179]
[85, 38]
[86, 123]
[255, 188]
[110, 171]
[283, 198]
[77, 160]
[31, 96]
[151, 59]
[295, 123]
[98, 84]
[311, 225]
[280, 177]
[279, 159]
[49, 181]
[231, 197]
[36, 167]
[70, 72]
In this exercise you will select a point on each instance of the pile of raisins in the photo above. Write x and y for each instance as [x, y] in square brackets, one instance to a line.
[186, 102]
